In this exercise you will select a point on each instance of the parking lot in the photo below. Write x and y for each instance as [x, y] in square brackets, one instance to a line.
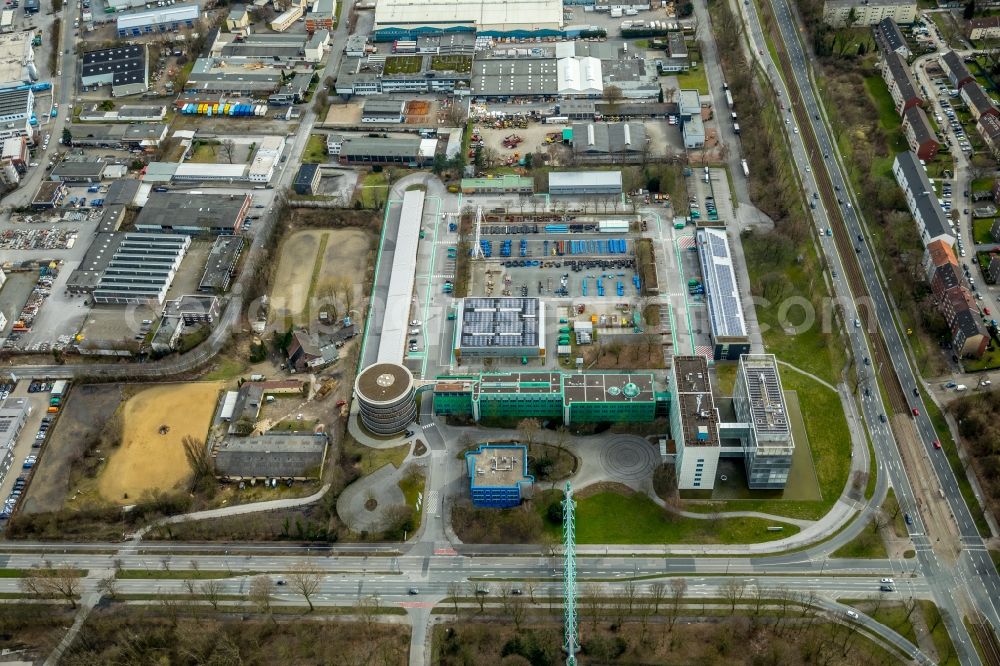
[30, 443]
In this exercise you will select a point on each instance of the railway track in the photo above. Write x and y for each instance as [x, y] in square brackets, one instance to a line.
[987, 640]
[846, 246]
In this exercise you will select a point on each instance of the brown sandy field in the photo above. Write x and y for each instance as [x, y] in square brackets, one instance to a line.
[345, 256]
[148, 460]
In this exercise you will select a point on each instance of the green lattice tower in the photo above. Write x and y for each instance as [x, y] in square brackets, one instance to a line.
[571, 636]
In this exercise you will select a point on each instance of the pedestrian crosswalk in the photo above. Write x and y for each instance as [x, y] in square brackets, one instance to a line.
[433, 503]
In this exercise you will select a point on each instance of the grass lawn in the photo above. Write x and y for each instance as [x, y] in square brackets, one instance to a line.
[412, 485]
[181, 574]
[294, 425]
[371, 459]
[613, 518]
[829, 441]
[867, 545]
[806, 347]
[23, 573]
[374, 189]
[942, 641]
[989, 361]
[879, 94]
[891, 506]
[454, 63]
[693, 78]
[981, 229]
[982, 185]
[203, 154]
[891, 614]
[403, 64]
[226, 368]
[315, 152]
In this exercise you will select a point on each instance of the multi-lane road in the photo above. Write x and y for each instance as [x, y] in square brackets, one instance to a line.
[974, 574]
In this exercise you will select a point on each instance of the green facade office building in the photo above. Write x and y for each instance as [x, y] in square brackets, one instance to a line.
[572, 397]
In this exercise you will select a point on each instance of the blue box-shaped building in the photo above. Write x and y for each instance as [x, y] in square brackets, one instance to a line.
[498, 475]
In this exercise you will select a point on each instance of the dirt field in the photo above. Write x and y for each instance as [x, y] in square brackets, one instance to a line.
[155, 421]
[344, 257]
[82, 419]
[292, 280]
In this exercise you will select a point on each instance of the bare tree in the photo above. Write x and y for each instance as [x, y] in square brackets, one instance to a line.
[62, 581]
[656, 593]
[732, 590]
[592, 602]
[454, 591]
[211, 589]
[759, 594]
[630, 592]
[261, 590]
[479, 594]
[108, 586]
[368, 609]
[228, 148]
[305, 580]
[613, 95]
[530, 587]
[504, 589]
[517, 611]
[678, 588]
[528, 430]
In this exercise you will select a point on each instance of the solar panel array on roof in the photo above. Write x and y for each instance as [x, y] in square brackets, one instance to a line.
[127, 64]
[500, 322]
[724, 307]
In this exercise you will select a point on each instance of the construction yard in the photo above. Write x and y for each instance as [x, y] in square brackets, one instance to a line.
[155, 421]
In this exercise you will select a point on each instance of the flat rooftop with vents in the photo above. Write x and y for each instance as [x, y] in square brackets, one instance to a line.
[122, 67]
[193, 213]
[498, 473]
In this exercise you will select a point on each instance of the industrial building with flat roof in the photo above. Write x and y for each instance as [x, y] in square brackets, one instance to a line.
[508, 183]
[273, 455]
[107, 135]
[385, 388]
[158, 20]
[759, 401]
[730, 338]
[307, 180]
[16, 107]
[694, 423]
[191, 213]
[129, 268]
[411, 151]
[124, 68]
[585, 183]
[592, 397]
[620, 143]
[79, 170]
[211, 75]
[761, 433]
[498, 475]
[488, 327]
[407, 19]
[17, 58]
[13, 414]
[395, 323]
[376, 110]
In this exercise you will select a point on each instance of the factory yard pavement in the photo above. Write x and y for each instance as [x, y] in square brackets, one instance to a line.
[381, 487]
